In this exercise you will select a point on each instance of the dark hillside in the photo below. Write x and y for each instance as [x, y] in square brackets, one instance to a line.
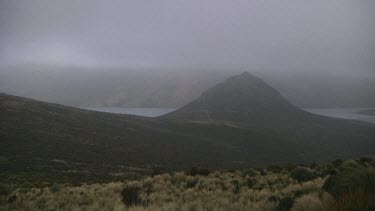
[242, 98]
[239, 123]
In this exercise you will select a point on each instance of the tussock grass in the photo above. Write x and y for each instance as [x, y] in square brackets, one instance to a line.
[274, 190]
[178, 191]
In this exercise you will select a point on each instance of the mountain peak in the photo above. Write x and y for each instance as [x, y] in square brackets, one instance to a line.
[242, 97]
[246, 74]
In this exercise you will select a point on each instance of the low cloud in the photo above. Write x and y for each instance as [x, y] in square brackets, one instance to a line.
[336, 35]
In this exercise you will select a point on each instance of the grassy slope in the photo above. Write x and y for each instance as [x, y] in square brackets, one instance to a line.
[249, 103]
[177, 191]
[49, 141]
[272, 189]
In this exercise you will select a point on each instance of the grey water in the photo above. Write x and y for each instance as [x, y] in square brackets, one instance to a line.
[344, 113]
[146, 112]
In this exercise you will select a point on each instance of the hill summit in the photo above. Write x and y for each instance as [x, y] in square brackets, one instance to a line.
[241, 98]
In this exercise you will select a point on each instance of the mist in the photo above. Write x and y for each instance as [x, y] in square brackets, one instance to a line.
[327, 36]
[165, 53]
[187, 105]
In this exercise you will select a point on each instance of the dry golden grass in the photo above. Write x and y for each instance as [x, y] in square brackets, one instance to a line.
[217, 191]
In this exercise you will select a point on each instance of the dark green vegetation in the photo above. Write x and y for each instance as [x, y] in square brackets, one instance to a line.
[302, 174]
[130, 195]
[349, 186]
[351, 179]
[353, 188]
[239, 123]
[367, 112]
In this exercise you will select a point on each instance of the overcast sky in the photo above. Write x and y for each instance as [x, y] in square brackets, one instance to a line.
[335, 35]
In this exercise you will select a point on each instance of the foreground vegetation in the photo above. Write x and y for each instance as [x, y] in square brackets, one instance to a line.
[340, 185]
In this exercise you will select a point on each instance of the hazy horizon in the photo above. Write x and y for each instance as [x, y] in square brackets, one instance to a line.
[146, 105]
[166, 53]
[336, 36]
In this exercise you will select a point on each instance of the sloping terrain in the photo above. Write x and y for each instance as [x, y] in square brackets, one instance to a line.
[247, 102]
[240, 122]
[275, 188]
[240, 99]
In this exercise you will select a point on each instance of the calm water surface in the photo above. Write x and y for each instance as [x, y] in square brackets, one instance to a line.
[344, 113]
[147, 112]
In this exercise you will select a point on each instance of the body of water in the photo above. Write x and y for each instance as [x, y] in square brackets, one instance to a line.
[147, 112]
[343, 113]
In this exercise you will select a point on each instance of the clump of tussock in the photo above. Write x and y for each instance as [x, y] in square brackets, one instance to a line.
[250, 172]
[365, 160]
[274, 169]
[4, 190]
[302, 174]
[309, 202]
[84, 197]
[219, 190]
[348, 164]
[325, 170]
[131, 193]
[216, 191]
[197, 171]
[55, 187]
[352, 189]
[358, 199]
[350, 180]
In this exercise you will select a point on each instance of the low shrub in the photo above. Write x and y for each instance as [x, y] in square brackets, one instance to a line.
[309, 202]
[290, 167]
[352, 189]
[223, 186]
[12, 198]
[4, 190]
[197, 171]
[325, 170]
[337, 162]
[236, 186]
[365, 160]
[250, 182]
[351, 180]
[231, 171]
[250, 172]
[285, 203]
[191, 182]
[131, 194]
[157, 171]
[263, 172]
[55, 188]
[349, 164]
[302, 174]
[358, 200]
[179, 177]
[312, 165]
[274, 169]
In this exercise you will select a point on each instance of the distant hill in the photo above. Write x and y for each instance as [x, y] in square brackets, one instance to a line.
[238, 123]
[125, 88]
[242, 98]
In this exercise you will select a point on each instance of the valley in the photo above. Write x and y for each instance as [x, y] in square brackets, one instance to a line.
[232, 125]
